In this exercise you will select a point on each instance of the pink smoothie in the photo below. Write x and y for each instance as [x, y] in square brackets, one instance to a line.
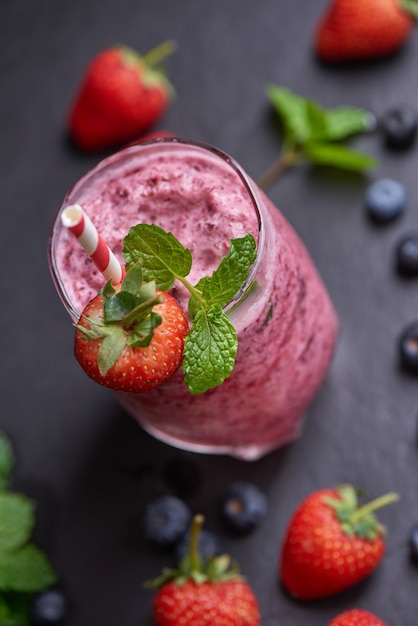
[286, 327]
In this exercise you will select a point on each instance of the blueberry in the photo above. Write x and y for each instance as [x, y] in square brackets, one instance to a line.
[413, 543]
[385, 200]
[408, 348]
[182, 476]
[243, 506]
[399, 125]
[407, 255]
[48, 608]
[165, 521]
[208, 545]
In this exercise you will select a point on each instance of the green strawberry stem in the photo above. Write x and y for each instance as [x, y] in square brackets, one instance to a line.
[374, 505]
[142, 308]
[193, 567]
[194, 555]
[355, 520]
[410, 6]
[155, 56]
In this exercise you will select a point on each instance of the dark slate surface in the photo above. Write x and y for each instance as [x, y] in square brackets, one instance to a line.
[88, 465]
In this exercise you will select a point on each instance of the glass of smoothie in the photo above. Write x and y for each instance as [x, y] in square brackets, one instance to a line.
[285, 322]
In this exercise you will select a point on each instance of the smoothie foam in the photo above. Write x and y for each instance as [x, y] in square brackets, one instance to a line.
[286, 327]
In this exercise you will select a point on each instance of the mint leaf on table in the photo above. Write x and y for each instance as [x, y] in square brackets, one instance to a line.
[335, 155]
[6, 461]
[26, 569]
[211, 343]
[17, 519]
[14, 609]
[310, 133]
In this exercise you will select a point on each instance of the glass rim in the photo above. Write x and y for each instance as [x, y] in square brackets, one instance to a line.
[249, 185]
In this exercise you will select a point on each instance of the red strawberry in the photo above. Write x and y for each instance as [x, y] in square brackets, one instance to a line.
[121, 96]
[356, 617]
[198, 594]
[362, 30]
[131, 341]
[331, 543]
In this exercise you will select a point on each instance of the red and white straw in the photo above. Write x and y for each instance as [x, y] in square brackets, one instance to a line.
[75, 219]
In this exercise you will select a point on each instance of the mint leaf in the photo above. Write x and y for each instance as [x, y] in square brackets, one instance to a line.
[303, 119]
[14, 609]
[292, 110]
[17, 519]
[342, 122]
[230, 276]
[26, 569]
[339, 156]
[210, 350]
[162, 256]
[310, 133]
[6, 461]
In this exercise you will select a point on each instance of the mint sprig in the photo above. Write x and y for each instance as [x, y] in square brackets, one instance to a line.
[311, 134]
[24, 568]
[211, 343]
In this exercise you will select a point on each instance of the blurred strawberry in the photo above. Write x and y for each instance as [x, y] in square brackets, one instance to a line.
[368, 29]
[331, 543]
[122, 95]
[356, 617]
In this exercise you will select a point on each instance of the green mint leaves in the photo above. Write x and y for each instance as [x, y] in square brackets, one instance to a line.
[24, 568]
[210, 349]
[312, 134]
[211, 343]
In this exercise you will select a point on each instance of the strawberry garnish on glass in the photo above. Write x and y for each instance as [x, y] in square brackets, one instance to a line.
[131, 339]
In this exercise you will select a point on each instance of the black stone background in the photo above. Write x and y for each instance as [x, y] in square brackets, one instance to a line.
[88, 465]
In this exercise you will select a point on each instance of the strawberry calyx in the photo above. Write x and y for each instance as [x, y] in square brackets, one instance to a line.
[359, 521]
[411, 7]
[128, 317]
[149, 64]
[193, 567]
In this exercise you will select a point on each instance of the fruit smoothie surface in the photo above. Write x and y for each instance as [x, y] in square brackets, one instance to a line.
[286, 325]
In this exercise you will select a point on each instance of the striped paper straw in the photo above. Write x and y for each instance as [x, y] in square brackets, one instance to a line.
[74, 218]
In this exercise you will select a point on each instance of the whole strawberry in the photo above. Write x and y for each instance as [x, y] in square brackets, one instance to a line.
[121, 96]
[356, 617]
[131, 339]
[201, 593]
[368, 29]
[331, 543]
